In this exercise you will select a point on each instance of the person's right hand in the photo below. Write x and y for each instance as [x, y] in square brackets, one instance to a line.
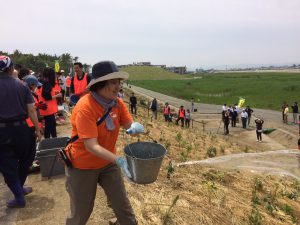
[38, 134]
[42, 105]
[122, 163]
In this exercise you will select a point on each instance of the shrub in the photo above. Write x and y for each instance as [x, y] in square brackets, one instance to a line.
[211, 152]
[143, 102]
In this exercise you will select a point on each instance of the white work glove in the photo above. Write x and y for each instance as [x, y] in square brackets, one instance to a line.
[122, 163]
[135, 128]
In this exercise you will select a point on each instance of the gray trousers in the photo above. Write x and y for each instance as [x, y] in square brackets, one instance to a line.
[82, 186]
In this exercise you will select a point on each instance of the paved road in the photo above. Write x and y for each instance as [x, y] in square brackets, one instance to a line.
[267, 115]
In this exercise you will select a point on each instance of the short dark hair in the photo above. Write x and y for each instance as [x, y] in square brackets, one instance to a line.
[18, 66]
[23, 73]
[98, 86]
[78, 64]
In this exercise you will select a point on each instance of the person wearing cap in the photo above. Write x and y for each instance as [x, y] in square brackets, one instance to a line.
[32, 82]
[16, 104]
[93, 155]
[79, 81]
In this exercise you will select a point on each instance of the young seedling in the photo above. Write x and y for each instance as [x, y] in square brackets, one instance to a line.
[211, 152]
[167, 215]
[178, 138]
[167, 145]
[255, 217]
[170, 170]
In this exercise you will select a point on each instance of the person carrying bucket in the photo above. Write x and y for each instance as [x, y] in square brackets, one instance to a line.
[93, 154]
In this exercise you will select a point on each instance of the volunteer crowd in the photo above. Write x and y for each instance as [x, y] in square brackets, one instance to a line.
[29, 107]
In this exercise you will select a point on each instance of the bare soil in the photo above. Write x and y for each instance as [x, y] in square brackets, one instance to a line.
[227, 192]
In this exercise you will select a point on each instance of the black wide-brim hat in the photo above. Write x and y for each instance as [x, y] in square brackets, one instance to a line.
[106, 70]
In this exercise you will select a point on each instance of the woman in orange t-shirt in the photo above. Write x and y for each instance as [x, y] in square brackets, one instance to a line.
[93, 155]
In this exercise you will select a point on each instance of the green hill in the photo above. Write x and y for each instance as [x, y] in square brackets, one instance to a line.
[151, 73]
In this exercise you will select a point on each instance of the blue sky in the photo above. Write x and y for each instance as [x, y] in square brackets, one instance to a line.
[195, 33]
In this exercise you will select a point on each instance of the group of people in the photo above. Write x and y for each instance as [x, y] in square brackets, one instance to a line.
[285, 112]
[96, 120]
[184, 116]
[231, 114]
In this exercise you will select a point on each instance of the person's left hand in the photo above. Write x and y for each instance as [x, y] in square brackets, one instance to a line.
[122, 163]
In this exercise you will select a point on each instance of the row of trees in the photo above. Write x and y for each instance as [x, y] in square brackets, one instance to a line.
[38, 62]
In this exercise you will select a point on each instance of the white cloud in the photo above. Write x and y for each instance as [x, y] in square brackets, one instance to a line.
[191, 32]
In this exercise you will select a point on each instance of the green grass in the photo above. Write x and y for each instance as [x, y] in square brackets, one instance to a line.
[150, 73]
[261, 90]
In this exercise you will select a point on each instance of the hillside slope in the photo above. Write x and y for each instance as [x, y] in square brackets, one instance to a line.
[150, 73]
[187, 195]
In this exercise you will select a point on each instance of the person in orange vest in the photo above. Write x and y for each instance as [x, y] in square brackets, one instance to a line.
[167, 112]
[181, 116]
[68, 85]
[49, 93]
[79, 81]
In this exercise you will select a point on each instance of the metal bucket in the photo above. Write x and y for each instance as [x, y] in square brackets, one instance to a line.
[144, 161]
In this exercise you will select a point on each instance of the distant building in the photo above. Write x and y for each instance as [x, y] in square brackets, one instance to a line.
[160, 66]
[177, 69]
[142, 64]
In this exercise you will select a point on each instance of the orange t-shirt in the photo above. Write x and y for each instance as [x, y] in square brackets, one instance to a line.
[84, 117]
